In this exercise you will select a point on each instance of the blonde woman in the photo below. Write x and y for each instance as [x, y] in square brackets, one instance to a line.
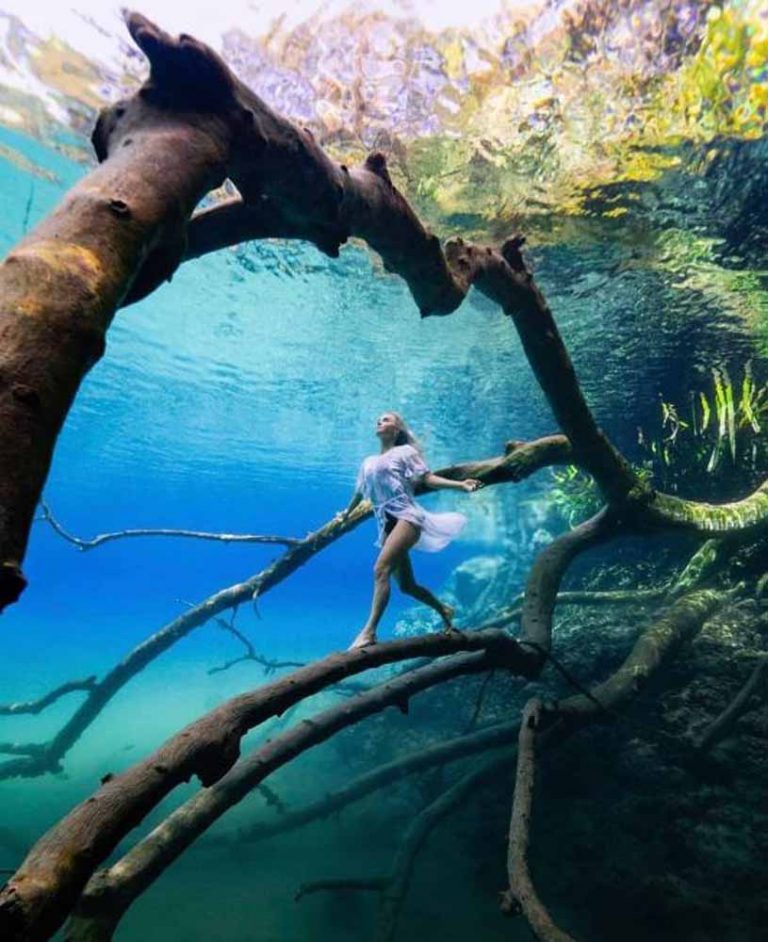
[389, 480]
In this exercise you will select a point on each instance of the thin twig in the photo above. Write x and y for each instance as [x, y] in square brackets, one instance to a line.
[741, 704]
[37, 706]
[479, 702]
[100, 539]
[375, 884]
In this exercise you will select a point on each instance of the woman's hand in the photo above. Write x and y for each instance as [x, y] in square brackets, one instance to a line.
[470, 485]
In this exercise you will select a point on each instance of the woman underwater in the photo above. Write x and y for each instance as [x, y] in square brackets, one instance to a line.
[388, 480]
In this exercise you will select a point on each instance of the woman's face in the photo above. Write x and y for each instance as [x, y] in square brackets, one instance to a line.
[386, 427]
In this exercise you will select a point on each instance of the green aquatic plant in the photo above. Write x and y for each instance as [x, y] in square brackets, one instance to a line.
[716, 442]
[574, 494]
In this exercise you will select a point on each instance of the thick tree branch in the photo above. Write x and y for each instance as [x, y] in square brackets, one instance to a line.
[114, 889]
[741, 516]
[519, 461]
[60, 286]
[522, 895]
[653, 648]
[547, 572]
[37, 900]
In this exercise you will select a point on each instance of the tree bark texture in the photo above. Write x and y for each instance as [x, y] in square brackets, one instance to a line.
[37, 899]
[60, 286]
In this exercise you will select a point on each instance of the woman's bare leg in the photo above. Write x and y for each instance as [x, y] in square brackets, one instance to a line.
[407, 582]
[403, 536]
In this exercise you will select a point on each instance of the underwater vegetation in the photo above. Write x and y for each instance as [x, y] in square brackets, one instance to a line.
[713, 445]
[118, 235]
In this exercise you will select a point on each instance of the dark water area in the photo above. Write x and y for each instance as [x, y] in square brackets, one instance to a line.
[241, 398]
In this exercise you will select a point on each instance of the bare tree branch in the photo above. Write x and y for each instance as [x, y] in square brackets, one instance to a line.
[547, 572]
[37, 706]
[522, 895]
[394, 893]
[83, 544]
[453, 750]
[755, 687]
[512, 467]
[55, 871]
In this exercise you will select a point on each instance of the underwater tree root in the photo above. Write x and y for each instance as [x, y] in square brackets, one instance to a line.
[394, 893]
[521, 896]
[393, 888]
[35, 902]
[452, 750]
[755, 687]
[111, 891]
[543, 728]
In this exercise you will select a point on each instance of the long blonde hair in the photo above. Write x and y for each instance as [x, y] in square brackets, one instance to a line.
[404, 435]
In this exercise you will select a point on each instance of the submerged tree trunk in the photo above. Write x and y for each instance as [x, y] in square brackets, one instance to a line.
[60, 287]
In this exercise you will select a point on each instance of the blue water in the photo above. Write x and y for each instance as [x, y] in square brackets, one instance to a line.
[241, 398]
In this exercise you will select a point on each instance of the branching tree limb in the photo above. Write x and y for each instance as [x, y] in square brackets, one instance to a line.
[452, 750]
[46, 886]
[37, 706]
[394, 893]
[522, 894]
[544, 729]
[516, 464]
[393, 888]
[111, 891]
[102, 538]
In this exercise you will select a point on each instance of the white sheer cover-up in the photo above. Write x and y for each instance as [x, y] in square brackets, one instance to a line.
[388, 480]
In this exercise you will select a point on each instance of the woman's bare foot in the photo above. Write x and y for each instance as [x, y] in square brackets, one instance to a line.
[366, 636]
[448, 612]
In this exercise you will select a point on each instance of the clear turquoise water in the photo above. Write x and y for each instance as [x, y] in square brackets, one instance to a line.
[241, 398]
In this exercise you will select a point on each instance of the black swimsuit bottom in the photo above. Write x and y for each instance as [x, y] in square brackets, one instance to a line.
[389, 523]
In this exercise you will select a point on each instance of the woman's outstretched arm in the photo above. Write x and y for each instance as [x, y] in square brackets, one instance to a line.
[434, 481]
[355, 500]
